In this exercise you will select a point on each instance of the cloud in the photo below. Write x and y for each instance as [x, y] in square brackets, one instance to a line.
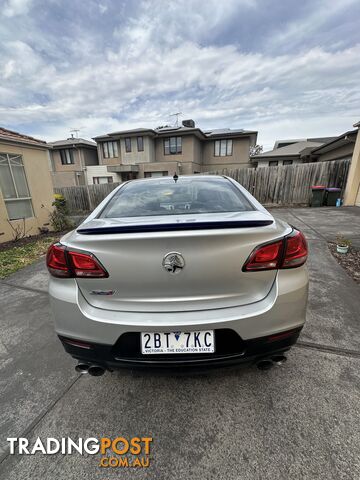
[12, 8]
[103, 8]
[140, 62]
[313, 25]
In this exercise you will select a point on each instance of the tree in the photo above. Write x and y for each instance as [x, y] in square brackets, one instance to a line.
[256, 150]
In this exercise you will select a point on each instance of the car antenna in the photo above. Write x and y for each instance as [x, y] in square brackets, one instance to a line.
[175, 177]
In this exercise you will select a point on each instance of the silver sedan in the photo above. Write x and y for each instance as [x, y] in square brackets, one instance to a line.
[178, 272]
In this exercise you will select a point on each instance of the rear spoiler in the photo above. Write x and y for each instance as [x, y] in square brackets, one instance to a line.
[173, 227]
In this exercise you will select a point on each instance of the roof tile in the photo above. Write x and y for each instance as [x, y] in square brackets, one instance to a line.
[19, 137]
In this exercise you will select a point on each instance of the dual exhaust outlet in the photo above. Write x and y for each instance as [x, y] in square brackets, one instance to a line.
[267, 363]
[92, 369]
[97, 370]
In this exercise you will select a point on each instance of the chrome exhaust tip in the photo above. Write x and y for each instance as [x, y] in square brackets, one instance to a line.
[82, 368]
[96, 370]
[265, 364]
[279, 359]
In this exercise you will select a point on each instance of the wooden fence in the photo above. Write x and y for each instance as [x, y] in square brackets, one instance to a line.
[282, 185]
[289, 184]
[84, 198]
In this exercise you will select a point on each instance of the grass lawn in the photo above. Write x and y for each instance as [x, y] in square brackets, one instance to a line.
[12, 258]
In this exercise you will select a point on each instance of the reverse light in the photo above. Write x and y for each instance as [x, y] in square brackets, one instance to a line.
[296, 250]
[66, 263]
[289, 252]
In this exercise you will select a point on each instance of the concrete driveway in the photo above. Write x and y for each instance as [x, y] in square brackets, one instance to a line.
[297, 421]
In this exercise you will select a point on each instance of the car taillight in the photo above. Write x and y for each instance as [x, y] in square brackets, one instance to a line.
[290, 252]
[265, 257]
[56, 261]
[85, 265]
[296, 250]
[64, 262]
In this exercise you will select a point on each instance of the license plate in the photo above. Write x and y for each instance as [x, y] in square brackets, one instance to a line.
[178, 342]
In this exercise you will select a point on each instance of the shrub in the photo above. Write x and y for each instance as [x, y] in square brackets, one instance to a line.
[60, 203]
[342, 241]
[59, 216]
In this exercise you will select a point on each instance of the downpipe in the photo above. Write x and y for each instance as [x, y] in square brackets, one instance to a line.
[268, 363]
[92, 369]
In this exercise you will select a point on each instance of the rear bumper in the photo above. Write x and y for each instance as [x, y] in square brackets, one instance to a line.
[232, 351]
[284, 308]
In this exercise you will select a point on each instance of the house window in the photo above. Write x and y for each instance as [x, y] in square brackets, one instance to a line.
[127, 144]
[99, 180]
[110, 149]
[273, 163]
[14, 187]
[126, 176]
[223, 148]
[287, 162]
[140, 144]
[67, 156]
[172, 146]
[155, 174]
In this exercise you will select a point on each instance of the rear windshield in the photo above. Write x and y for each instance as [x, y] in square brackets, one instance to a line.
[167, 197]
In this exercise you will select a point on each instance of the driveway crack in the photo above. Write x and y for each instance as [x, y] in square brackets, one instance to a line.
[6, 452]
[328, 349]
[309, 226]
[29, 289]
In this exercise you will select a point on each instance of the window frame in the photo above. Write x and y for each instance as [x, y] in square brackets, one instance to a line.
[128, 142]
[140, 140]
[273, 163]
[64, 156]
[227, 143]
[28, 198]
[106, 149]
[164, 173]
[109, 179]
[177, 144]
[288, 162]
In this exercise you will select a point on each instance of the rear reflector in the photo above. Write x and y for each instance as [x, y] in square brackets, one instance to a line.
[76, 343]
[289, 252]
[282, 336]
[64, 262]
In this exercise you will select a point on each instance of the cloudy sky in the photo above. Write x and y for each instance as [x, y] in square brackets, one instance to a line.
[285, 68]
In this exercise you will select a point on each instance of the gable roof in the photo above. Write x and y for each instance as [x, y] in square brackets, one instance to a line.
[16, 137]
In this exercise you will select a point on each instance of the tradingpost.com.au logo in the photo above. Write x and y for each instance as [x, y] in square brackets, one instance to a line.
[118, 452]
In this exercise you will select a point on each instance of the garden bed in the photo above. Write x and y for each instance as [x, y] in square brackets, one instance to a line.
[349, 261]
[23, 252]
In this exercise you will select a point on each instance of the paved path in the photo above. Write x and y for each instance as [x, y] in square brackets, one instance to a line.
[298, 421]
